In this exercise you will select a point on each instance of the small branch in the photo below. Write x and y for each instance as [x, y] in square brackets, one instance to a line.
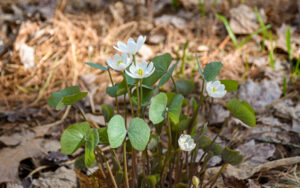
[215, 177]
[108, 167]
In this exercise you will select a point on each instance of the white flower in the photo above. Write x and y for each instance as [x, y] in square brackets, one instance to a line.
[140, 71]
[120, 62]
[186, 143]
[131, 47]
[215, 89]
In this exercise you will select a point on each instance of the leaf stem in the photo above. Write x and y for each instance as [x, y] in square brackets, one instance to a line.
[81, 111]
[129, 94]
[125, 164]
[213, 141]
[215, 177]
[175, 87]
[112, 82]
[108, 167]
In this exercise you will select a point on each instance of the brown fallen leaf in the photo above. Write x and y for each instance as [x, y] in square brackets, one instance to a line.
[31, 144]
[245, 170]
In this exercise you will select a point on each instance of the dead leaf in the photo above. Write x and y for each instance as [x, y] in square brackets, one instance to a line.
[245, 171]
[30, 145]
[258, 95]
[61, 178]
[257, 153]
[243, 19]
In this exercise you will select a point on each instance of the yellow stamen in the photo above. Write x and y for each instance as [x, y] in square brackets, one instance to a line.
[214, 89]
[119, 62]
[140, 72]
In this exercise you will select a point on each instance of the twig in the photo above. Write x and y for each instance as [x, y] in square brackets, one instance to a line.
[278, 142]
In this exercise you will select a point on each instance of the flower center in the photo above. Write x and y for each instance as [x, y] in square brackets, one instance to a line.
[119, 62]
[140, 72]
[214, 89]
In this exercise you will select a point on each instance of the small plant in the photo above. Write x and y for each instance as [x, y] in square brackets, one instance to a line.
[271, 51]
[232, 35]
[154, 116]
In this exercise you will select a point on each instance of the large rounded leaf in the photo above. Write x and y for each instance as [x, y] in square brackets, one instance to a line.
[242, 110]
[158, 108]
[73, 137]
[116, 131]
[139, 133]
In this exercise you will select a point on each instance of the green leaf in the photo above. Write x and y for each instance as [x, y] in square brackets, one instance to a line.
[138, 133]
[152, 180]
[131, 81]
[288, 43]
[231, 156]
[67, 96]
[161, 64]
[116, 131]
[97, 66]
[90, 144]
[103, 136]
[212, 70]
[204, 143]
[147, 94]
[153, 143]
[228, 28]
[107, 111]
[183, 124]
[174, 109]
[249, 37]
[230, 85]
[158, 108]
[68, 100]
[73, 137]
[79, 163]
[165, 78]
[185, 87]
[242, 110]
[117, 90]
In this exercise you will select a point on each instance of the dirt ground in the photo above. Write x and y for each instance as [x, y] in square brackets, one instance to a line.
[44, 46]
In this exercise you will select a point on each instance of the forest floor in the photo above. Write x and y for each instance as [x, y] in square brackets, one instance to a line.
[44, 47]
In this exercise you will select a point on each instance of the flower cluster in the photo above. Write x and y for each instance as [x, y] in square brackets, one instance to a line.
[122, 62]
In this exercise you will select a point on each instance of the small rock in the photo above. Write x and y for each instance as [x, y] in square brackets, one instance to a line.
[26, 54]
[202, 48]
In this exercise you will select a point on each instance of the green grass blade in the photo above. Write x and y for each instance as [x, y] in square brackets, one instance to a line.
[228, 28]
[249, 37]
[288, 43]
[183, 57]
[262, 24]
